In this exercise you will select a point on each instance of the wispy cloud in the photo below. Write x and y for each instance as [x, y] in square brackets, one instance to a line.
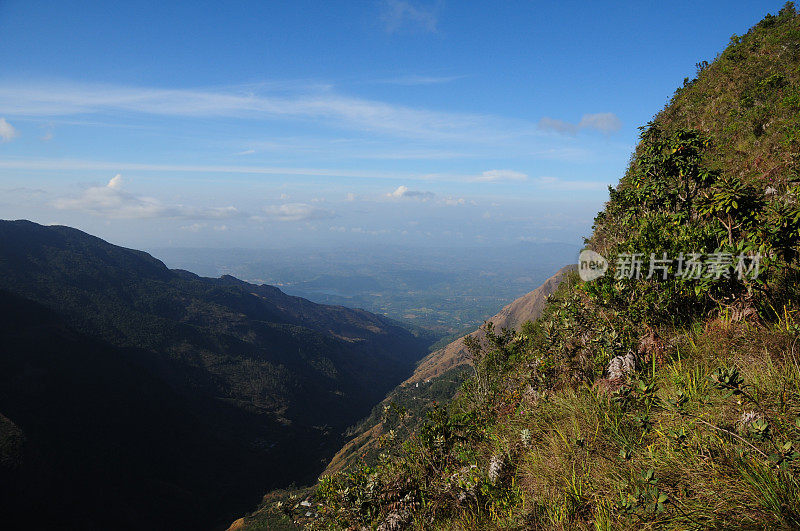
[323, 106]
[95, 165]
[403, 192]
[557, 126]
[194, 227]
[555, 183]
[399, 15]
[7, 131]
[354, 148]
[500, 175]
[104, 200]
[454, 201]
[293, 212]
[605, 122]
[112, 201]
[49, 130]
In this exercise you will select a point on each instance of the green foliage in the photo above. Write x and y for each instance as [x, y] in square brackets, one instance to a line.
[728, 379]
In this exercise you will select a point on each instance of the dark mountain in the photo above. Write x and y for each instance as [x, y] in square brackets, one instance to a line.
[179, 398]
[97, 439]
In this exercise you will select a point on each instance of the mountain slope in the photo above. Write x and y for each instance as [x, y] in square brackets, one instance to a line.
[279, 375]
[651, 401]
[99, 441]
[512, 316]
[438, 376]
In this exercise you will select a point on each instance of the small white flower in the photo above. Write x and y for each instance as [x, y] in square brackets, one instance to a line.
[525, 437]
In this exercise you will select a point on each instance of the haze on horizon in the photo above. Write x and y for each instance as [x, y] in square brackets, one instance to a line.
[264, 124]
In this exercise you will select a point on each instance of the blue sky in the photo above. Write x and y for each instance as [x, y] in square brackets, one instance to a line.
[269, 124]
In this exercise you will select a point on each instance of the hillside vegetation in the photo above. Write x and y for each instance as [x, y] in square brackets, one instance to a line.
[666, 401]
[232, 388]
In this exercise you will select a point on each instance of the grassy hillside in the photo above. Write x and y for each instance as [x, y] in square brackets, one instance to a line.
[671, 400]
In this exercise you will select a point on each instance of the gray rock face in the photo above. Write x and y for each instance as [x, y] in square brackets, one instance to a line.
[621, 366]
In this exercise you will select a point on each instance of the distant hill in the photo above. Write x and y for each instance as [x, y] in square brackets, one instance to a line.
[206, 391]
[450, 290]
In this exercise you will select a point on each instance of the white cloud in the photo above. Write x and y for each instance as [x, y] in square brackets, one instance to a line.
[605, 122]
[400, 15]
[294, 212]
[454, 201]
[402, 192]
[246, 152]
[500, 175]
[7, 131]
[116, 182]
[112, 201]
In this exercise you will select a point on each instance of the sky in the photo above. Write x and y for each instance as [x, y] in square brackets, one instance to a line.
[269, 124]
